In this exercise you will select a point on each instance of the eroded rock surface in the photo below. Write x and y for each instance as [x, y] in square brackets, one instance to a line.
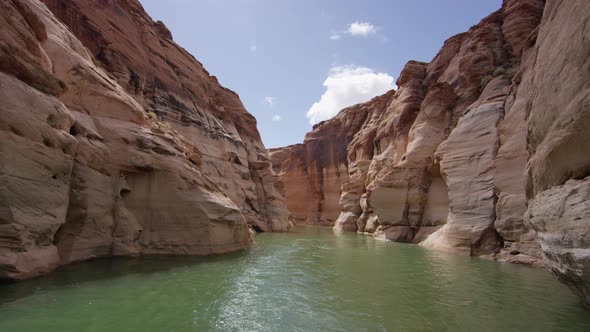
[115, 141]
[484, 150]
[314, 171]
[172, 85]
[440, 161]
[555, 92]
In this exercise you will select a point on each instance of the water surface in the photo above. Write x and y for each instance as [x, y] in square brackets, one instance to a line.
[308, 280]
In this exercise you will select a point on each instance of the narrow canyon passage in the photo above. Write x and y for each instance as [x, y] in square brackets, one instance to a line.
[306, 280]
[123, 148]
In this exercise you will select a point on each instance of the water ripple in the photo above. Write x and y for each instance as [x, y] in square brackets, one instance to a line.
[309, 280]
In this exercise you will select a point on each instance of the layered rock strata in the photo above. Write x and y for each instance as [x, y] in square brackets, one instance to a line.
[555, 96]
[173, 86]
[115, 142]
[314, 171]
[441, 160]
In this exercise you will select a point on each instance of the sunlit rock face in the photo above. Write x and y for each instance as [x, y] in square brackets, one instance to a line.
[115, 141]
[555, 95]
[314, 171]
[171, 84]
[441, 160]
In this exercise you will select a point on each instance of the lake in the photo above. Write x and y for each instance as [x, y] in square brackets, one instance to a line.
[306, 280]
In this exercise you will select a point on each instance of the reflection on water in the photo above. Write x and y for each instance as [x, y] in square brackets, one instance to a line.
[309, 280]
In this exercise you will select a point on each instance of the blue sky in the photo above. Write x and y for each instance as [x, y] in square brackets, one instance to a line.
[295, 62]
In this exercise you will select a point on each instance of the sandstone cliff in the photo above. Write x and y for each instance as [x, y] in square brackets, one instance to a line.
[116, 141]
[441, 160]
[481, 151]
[172, 85]
[555, 95]
[314, 171]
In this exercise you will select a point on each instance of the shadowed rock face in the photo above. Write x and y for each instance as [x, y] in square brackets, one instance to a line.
[556, 97]
[440, 161]
[135, 151]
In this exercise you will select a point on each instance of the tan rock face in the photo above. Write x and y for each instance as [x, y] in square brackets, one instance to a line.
[87, 171]
[556, 99]
[441, 160]
[314, 171]
[170, 83]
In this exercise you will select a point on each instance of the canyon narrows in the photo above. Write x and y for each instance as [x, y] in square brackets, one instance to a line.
[480, 151]
[115, 141]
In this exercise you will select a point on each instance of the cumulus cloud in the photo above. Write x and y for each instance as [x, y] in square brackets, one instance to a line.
[361, 29]
[270, 100]
[355, 29]
[346, 86]
[276, 118]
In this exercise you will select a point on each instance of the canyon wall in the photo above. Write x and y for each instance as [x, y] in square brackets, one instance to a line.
[314, 171]
[115, 142]
[555, 93]
[441, 160]
[481, 151]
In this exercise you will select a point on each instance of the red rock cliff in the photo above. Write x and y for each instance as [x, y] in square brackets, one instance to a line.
[170, 83]
[313, 171]
[115, 141]
[441, 160]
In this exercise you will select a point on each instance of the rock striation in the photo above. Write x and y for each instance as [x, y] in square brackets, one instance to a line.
[313, 172]
[555, 95]
[441, 160]
[116, 142]
[481, 151]
[170, 84]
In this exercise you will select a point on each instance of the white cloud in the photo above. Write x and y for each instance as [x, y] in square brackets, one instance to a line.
[361, 29]
[270, 100]
[276, 118]
[346, 86]
[253, 48]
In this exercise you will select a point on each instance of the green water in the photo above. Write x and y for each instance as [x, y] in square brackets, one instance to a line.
[309, 280]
